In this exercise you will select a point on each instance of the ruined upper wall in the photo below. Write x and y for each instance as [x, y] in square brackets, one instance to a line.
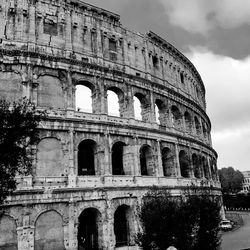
[74, 29]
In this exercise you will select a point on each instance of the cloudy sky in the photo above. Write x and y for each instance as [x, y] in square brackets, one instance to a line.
[215, 36]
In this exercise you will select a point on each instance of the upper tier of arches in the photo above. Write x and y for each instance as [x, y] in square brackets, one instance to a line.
[127, 100]
[78, 35]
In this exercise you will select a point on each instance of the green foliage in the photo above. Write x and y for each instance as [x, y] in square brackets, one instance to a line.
[18, 131]
[231, 180]
[188, 222]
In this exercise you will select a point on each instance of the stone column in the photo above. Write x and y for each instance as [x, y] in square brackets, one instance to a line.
[191, 163]
[146, 58]
[107, 155]
[72, 229]
[108, 227]
[26, 233]
[136, 153]
[32, 24]
[153, 115]
[159, 158]
[72, 168]
[177, 162]
[70, 92]
[68, 40]
[209, 168]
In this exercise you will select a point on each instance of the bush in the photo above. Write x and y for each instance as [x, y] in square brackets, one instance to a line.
[188, 222]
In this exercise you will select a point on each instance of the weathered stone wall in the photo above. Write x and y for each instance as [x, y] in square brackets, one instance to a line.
[47, 49]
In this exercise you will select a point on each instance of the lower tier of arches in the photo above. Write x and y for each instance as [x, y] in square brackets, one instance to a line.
[96, 219]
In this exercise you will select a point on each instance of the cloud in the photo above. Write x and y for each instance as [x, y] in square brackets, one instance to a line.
[201, 16]
[233, 148]
[227, 85]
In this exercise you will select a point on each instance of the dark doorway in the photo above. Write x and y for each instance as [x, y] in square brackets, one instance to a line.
[117, 158]
[86, 157]
[88, 230]
[184, 164]
[196, 166]
[121, 226]
[146, 160]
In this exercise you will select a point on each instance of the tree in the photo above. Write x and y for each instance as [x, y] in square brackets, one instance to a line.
[186, 222]
[18, 132]
[231, 180]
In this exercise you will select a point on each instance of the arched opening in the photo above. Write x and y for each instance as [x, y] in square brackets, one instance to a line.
[197, 126]
[168, 162]
[215, 176]
[157, 114]
[204, 129]
[160, 113]
[117, 158]
[89, 230]
[122, 226]
[86, 157]
[196, 166]
[142, 110]
[146, 160]
[113, 103]
[49, 232]
[83, 98]
[8, 233]
[176, 117]
[205, 167]
[184, 164]
[188, 121]
[137, 108]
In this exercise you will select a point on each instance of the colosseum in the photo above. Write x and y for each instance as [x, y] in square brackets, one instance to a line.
[93, 165]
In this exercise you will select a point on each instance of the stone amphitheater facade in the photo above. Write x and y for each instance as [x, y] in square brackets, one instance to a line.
[91, 169]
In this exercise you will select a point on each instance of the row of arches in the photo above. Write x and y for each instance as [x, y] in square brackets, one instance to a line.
[126, 159]
[196, 165]
[50, 91]
[142, 109]
[49, 232]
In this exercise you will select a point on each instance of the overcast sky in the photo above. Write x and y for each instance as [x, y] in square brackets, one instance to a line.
[215, 36]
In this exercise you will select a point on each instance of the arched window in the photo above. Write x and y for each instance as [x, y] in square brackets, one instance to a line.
[86, 157]
[176, 117]
[122, 226]
[49, 232]
[8, 233]
[142, 109]
[83, 99]
[113, 103]
[117, 158]
[89, 229]
[215, 176]
[188, 121]
[146, 160]
[205, 167]
[197, 126]
[137, 108]
[184, 164]
[196, 166]
[168, 162]
[157, 114]
[204, 129]
[160, 113]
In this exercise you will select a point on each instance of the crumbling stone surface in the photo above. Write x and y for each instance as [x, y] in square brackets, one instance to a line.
[95, 162]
